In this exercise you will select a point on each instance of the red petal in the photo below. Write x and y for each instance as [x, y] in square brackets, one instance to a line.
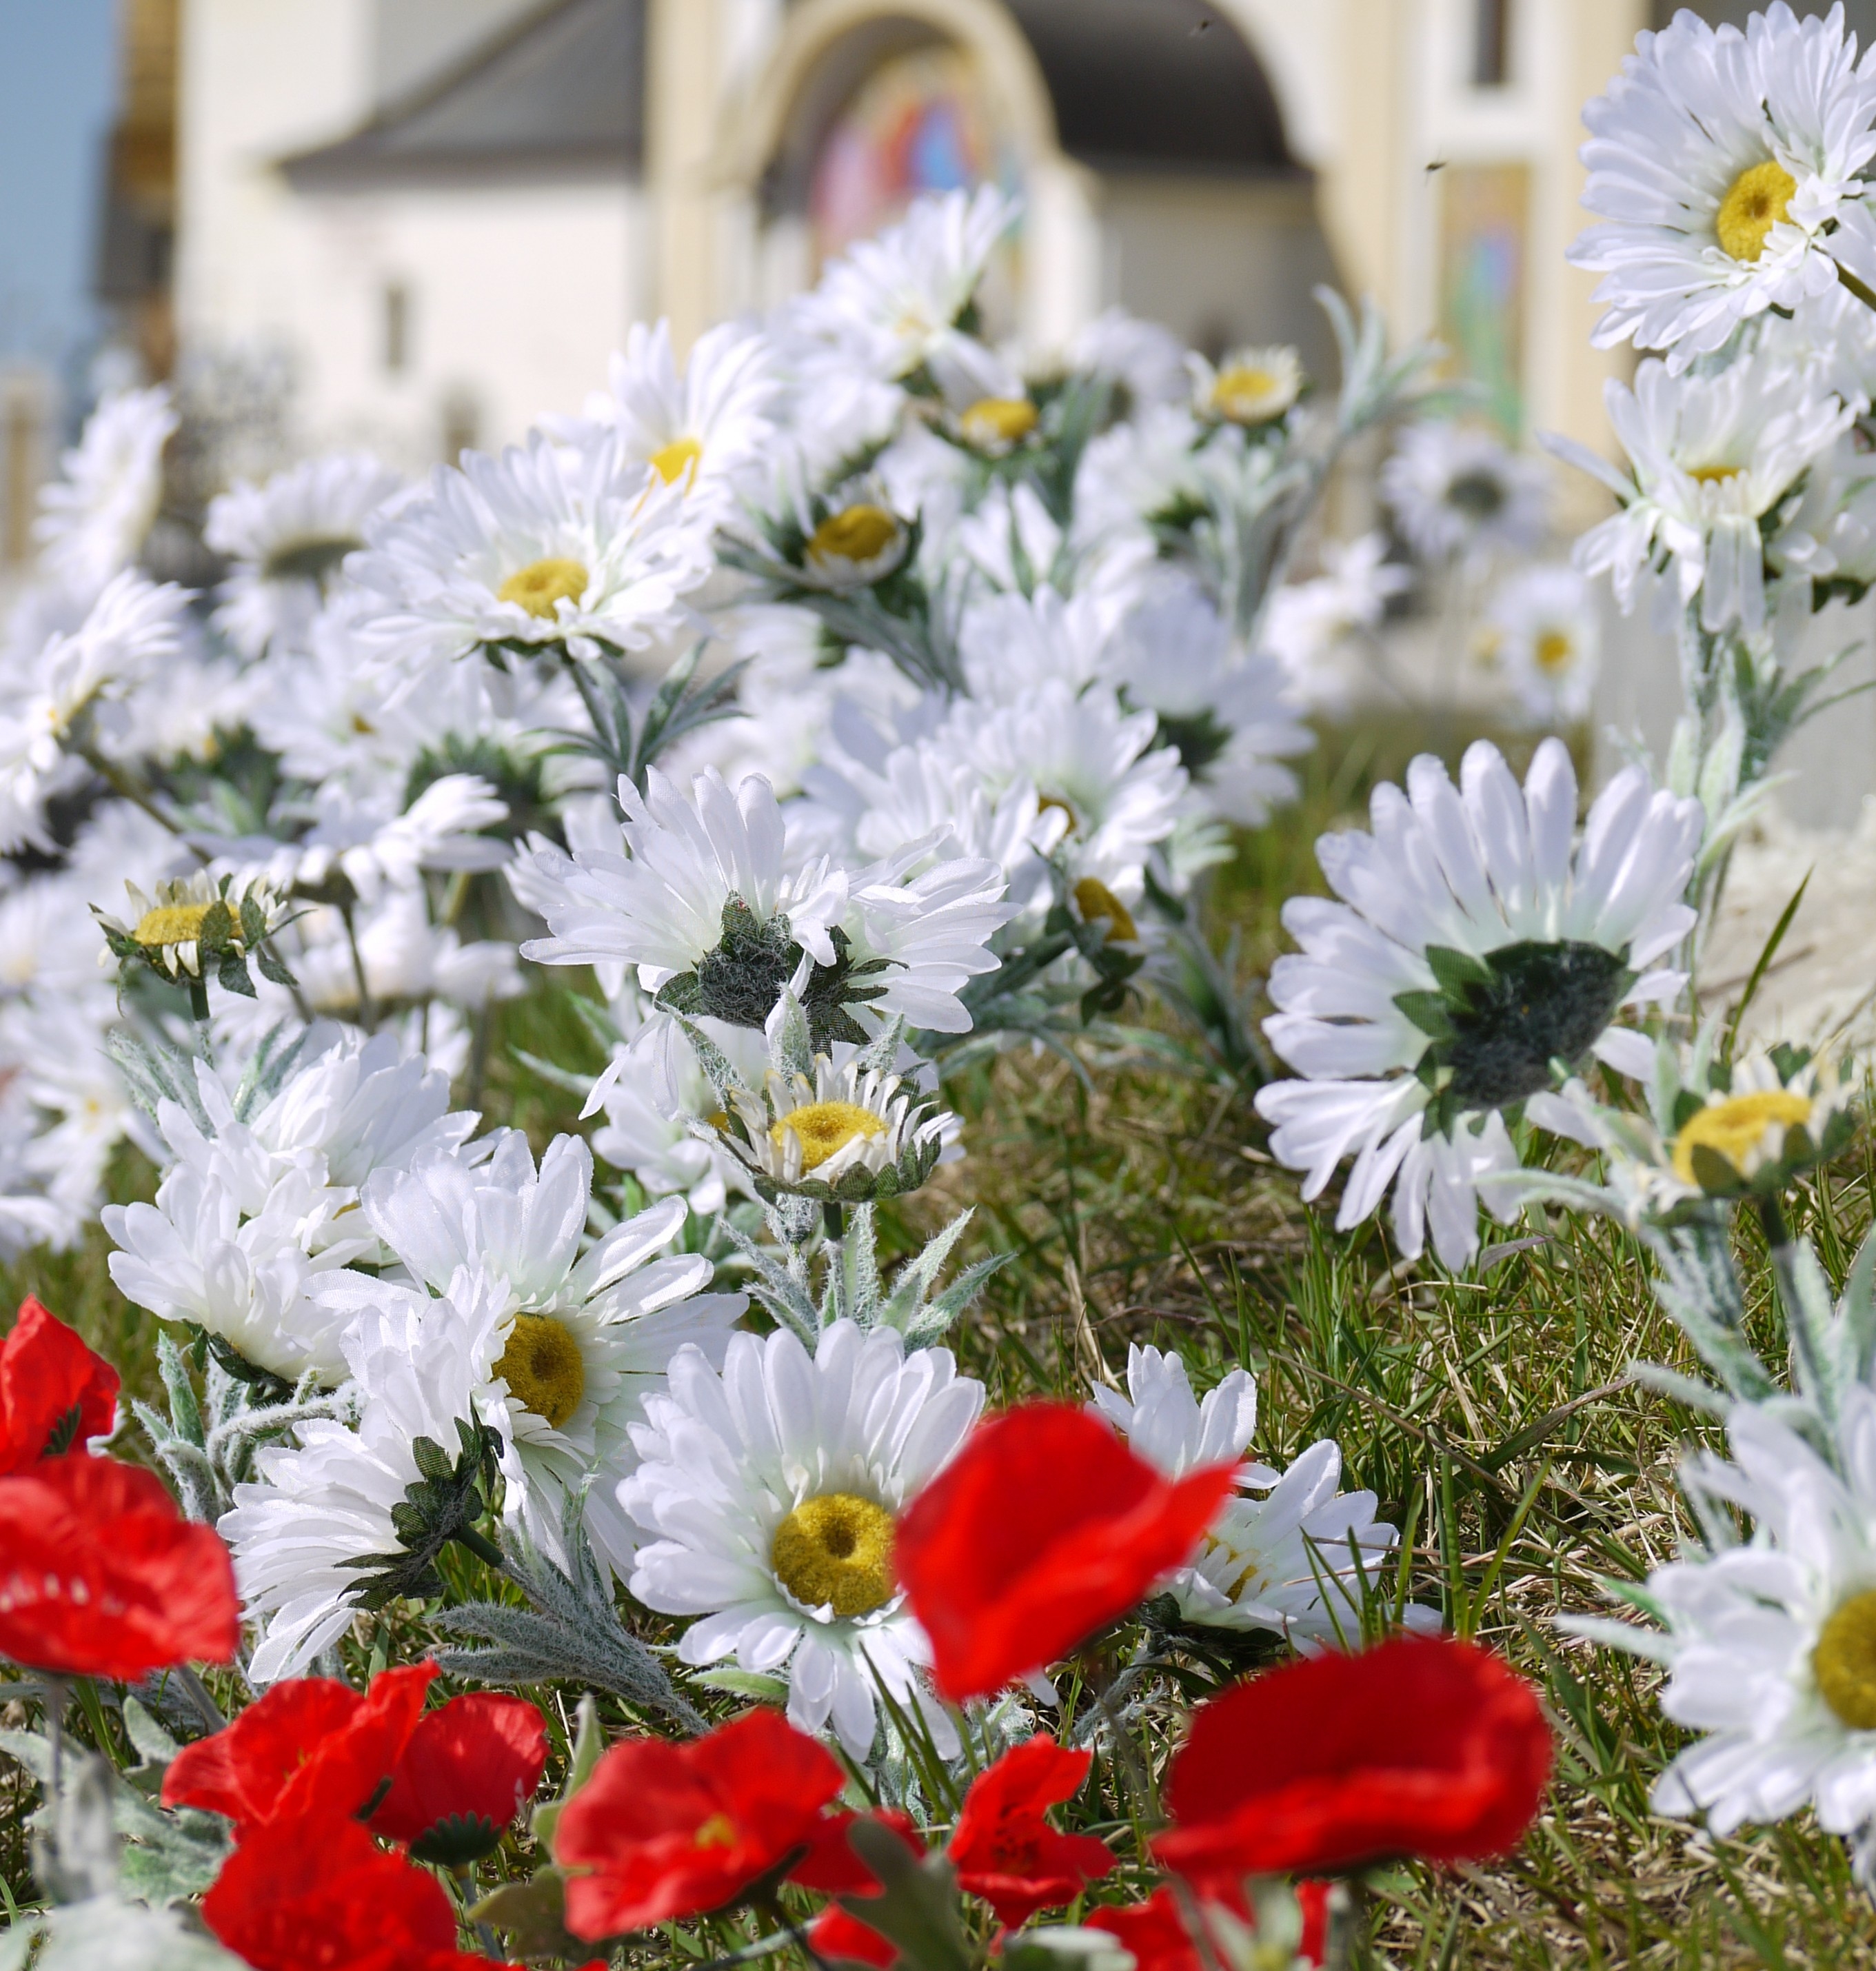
[480, 1755]
[54, 1393]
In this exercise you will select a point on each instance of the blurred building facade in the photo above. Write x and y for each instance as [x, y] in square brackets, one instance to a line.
[446, 212]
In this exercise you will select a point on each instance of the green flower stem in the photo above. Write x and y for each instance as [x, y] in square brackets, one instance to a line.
[483, 1548]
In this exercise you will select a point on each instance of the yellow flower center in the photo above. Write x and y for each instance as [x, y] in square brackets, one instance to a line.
[999, 421]
[1247, 394]
[543, 1368]
[1714, 475]
[1045, 802]
[836, 1552]
[672, 462]
[1094, 899]
[541, 584]
[856, 534]
[1555, 649]
[1755, 202]
[824, 1128]
[1844, 1662]
[1732, 1127]
[171, 923]
[719, 1830]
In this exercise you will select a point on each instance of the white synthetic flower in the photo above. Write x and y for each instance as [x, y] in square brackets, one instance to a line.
[1226, 713]
[929, 924]
[75, 686]
[848, 1118]
[1249, 386]
[702, 429]
[1710, 457]
[1145, 357]
[1470, 949]
[894, 301]
[582, 1330]
[1545, 639]
[656, 901]
[1119, 791]
[553, 542]
[286, 540]
[407, 961]
[193, 917]
[767, 1495]
[1009, 644]
[1305, 623]
[652, 1083]
[93, 519]
[1453, 490]
[1720, 163]
[325, 1501]
[1280, 1562]
[252, 1210]
[1767, 1643]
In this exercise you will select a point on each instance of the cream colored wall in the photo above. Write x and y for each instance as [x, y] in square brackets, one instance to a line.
[518, 295]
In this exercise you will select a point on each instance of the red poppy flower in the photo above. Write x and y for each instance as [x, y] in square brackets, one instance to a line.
[100, 1575]
[318, 1893]
[1003, 1849]
[673, 1830]
[309, 1747]
[1423, 1747]
[465, 1773]
[54, 1393]
[1155, 1930]
[831, 1866]
[1044, 1527]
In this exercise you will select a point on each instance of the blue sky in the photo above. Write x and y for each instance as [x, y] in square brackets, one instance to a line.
[58, 79]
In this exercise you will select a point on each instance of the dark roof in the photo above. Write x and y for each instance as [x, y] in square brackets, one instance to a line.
[1155, 85]
[562, 90]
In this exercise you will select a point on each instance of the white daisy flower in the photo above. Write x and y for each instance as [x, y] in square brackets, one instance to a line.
[1146, 358]
[325, 1502]
[767, 1495]
[919, 938]
[1250, 387]
[852, 1131]
[1281, 1561]
[892, 301]
[1720, 163]
[1305, 623]
[193, 918]
[1225, 712]
[250, 1211]
[407, 961]
[1470, 949]
[1455, 489]
[1545, 639]
[702, 429]
[582, 1330]
[559, 544]
[1712, 458]
[93, 519]
[1768, 1644]
[658, 901]
[287, 540]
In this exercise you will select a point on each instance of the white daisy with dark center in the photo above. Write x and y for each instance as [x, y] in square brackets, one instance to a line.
[767, 1497]
[1478, 954]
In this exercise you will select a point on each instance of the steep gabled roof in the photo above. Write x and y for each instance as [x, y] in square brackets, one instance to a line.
[562, 91]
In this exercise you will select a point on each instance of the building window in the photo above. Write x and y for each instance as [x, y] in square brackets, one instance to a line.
[1491, 44]
[396, 328]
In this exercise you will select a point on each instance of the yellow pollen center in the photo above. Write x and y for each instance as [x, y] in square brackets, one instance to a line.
[835, 1551]
[1714, 475]
[541, 584]
[719, 1830]
[1732, 1127]
[1094, 899]
[543, 1368]
[998, 420]
[824, 1128]
[1554, 652]
[1755, 202]
[672, 462]
[1245, 395]
[171, 923]
[856, 534]
[1844, 1662]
